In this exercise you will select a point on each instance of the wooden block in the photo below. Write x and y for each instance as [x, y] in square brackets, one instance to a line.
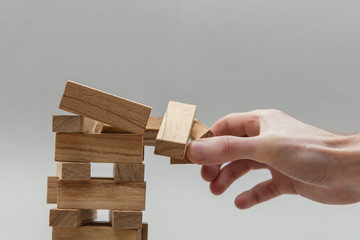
[52, 186]
[75, 124]
[150, 138]
[96, 231]
[175, 130]
[129, 172]
[144, 231]
[71, 217]
[151, 130]
[104, 107]
[73, 171]
[153, 123]
[185, 160]
[199, 130]
[101, 148]
[101, 193]
[126, 219]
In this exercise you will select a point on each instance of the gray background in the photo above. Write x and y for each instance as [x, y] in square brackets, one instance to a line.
[299, 56]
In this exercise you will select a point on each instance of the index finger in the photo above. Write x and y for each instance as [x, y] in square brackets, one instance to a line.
[238, 124]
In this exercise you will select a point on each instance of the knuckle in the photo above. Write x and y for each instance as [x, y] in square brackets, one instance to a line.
[227, 145]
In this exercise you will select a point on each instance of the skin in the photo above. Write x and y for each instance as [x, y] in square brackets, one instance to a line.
[302, 159]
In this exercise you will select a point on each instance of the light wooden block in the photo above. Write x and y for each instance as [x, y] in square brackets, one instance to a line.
[96, 231]
[129, 172]
[75, 124]
[199, 130]
[52, 187]
[73, 171]
[104, 107]
[100, 148]
[71, 217]
[101, 193]
[144, 231]
[151, 130]
[126, 219]
[174, 132]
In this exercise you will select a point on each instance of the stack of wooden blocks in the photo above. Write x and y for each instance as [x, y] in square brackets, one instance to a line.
[114, 130]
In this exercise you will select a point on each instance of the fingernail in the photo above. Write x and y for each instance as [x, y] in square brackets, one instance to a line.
[197, 151]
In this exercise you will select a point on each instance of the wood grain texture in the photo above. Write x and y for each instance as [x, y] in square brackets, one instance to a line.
[144, 231]
[154, 123]
[185, 160]
[151, 130]
[101, 193]
[126, 219]
[129, 172]
[73, 171]
[101, 148]
[199, 130]
[96, 231]
[105, 107]
[75, 124]
[174, 132]
[71, 217]
[52, 187]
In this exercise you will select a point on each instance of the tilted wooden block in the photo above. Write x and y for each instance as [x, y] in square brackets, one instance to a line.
[71, 217]
[104, 107]
[75, 124]
[199, 130]
[126, 219]
[144, 231]
[128, 172]
[73, 171]
[95, 231]
[52, 187]
[101, 193]
[175, 130]
[101, 148]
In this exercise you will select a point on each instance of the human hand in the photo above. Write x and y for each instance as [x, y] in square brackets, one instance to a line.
[302, 159]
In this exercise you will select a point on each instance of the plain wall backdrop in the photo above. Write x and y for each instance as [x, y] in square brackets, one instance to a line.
[300, 56]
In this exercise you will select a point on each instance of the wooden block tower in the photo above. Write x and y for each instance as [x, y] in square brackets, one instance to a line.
[113, 130]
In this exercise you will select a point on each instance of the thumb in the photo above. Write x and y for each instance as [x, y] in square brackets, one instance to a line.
[222, 149]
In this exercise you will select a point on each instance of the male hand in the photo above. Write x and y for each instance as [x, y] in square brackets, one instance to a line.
[302, 159]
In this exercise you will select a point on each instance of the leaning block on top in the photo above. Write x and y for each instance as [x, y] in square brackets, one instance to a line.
[71, 217]
[104, 107]
[199, 130]
[125, 172]
[75, 124]
[100, 148]
[101, 193]
[73, 171]
[121, 219]
[174, 132]
[95, 231]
